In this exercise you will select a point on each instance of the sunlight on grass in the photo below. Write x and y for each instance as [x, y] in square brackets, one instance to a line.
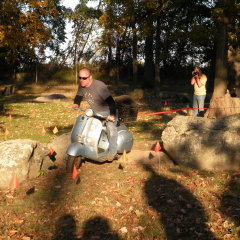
[28, 120]
[157, 202]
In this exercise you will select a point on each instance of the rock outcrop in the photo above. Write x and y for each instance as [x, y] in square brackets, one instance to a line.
[60, 145]
[204, 143]
[22, 157]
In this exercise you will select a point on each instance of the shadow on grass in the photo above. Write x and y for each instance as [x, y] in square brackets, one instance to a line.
[151, 127]
[230, 202]
[17, 98]
[7, 114]
[98, 228]
[54, 194]
[65, 228]
[51, 198]
[180, 213]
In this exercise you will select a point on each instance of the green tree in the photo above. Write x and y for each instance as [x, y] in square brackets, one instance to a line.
[165, 33]
[27, 27]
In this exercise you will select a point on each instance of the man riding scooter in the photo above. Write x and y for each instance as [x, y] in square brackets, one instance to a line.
[100, 100]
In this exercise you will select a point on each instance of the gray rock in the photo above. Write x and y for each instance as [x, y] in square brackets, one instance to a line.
[204, 143]
[60, 145]
[22, 157]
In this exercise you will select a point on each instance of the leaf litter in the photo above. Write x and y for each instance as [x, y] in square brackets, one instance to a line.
[133, 203]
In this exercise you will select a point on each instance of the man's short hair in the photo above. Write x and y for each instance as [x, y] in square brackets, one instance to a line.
[85, 69]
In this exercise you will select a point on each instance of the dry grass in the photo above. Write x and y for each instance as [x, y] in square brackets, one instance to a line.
[131, 201]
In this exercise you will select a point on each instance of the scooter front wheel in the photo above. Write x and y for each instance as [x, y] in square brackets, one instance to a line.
[71, 160]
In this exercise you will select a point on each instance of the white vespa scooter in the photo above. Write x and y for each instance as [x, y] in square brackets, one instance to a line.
[89, 139]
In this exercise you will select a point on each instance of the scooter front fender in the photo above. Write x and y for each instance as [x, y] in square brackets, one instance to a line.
[75, 149]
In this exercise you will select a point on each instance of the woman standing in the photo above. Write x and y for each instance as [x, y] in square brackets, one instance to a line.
[199, 81]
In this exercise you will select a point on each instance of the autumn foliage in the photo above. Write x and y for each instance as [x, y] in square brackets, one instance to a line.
[28, 24]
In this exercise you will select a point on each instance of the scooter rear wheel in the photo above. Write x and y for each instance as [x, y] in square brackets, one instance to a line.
[71, 160]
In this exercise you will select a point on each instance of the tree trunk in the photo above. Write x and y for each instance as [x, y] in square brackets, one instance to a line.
[14, 73]
[117, 66]
[149, 67]
[36, 74]
[223, 106]
[110, 55]
[219, 103]
[134, 54]
[221, 74]
[75, 64]
[157, 57]
[76, 74]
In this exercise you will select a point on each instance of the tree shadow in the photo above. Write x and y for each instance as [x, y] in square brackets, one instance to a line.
[98, 228]
[152, 128]
[180, 213]
[65, 228]
[215, 139]
[17, 98]
[51, 193]
[57, 187]
[230, 201]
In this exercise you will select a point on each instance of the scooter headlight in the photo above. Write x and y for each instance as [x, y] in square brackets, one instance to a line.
[89, 112]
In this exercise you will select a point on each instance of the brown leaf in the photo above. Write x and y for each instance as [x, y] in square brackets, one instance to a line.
[12, 232]
[152, 213]
[26, 238]
[238, 229]
[19, 221]
[227, 236]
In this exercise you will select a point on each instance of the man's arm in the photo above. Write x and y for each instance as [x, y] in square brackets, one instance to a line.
[77, 101]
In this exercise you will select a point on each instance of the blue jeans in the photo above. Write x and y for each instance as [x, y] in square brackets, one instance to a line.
[198, 102]
[112, 134]
[112, 137]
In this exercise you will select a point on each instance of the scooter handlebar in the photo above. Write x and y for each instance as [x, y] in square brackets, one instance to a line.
[90, 113]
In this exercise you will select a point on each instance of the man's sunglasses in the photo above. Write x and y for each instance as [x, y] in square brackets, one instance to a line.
[83, 78]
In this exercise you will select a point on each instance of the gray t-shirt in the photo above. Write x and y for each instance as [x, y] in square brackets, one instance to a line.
[95, 95]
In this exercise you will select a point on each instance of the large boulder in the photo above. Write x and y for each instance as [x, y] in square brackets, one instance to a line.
[60, 145]
[22, 157]
[204, 143]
